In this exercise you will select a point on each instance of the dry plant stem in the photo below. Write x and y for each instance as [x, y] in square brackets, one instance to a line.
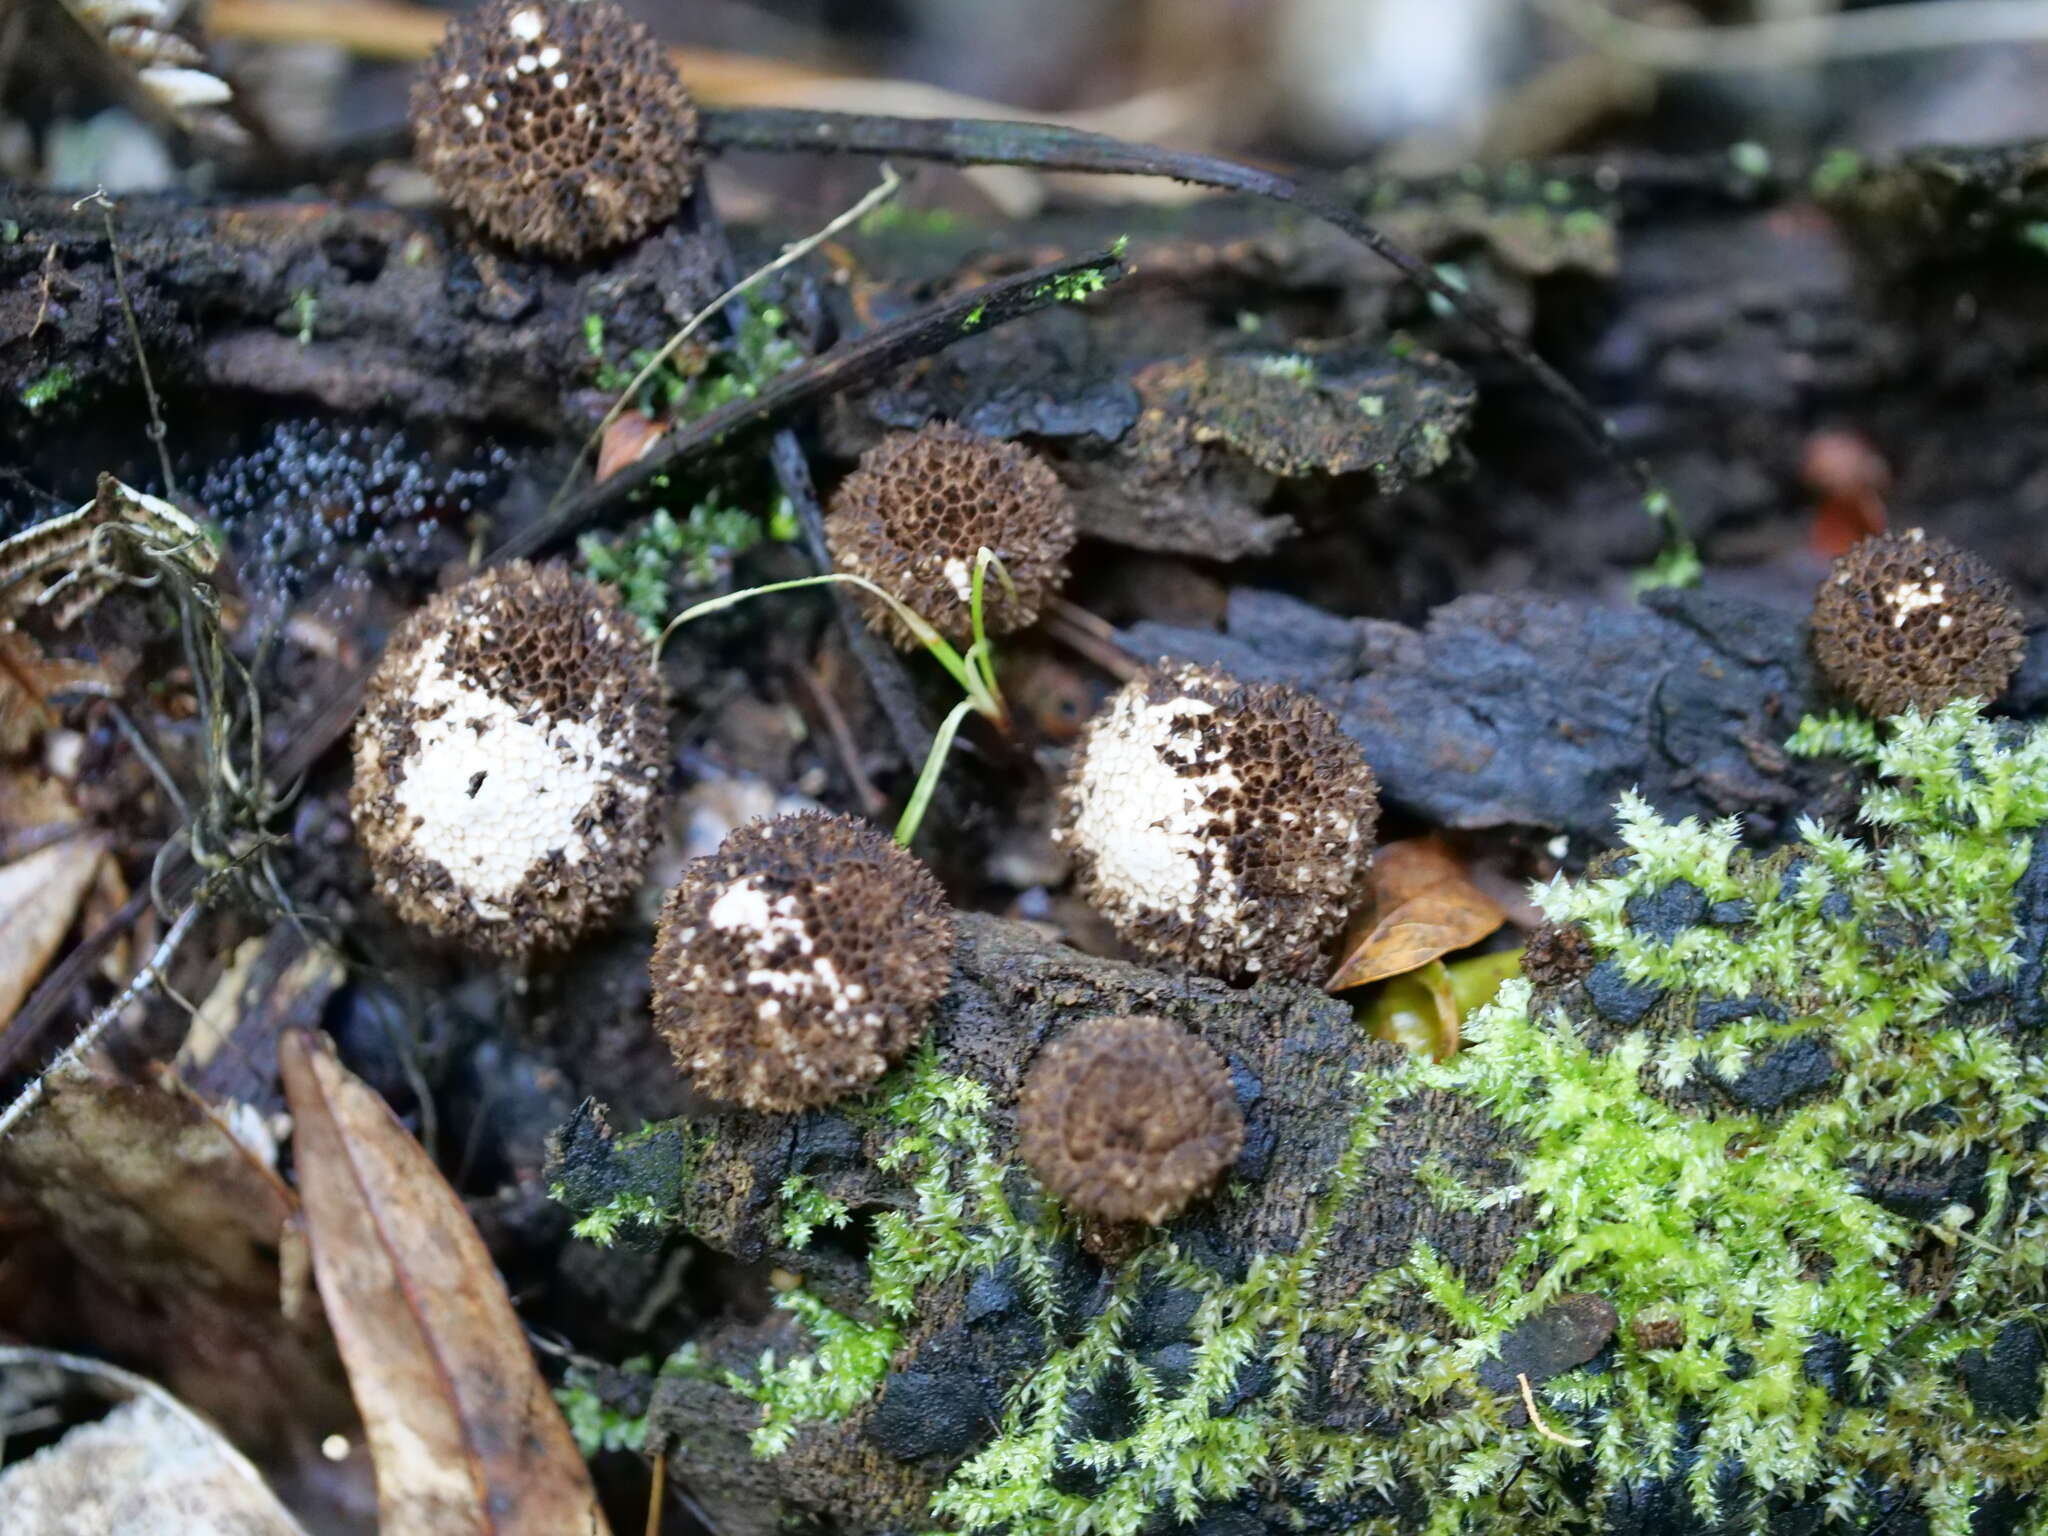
[851, 365]
[1045, 146]
[1536, 1419]
[157, 432]
[1796, 42]
[887, 677]
[144, 979]
[789, 256]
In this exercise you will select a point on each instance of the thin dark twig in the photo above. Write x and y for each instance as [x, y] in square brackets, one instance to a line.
[887, 677]
[850, 365]
[1046, 146]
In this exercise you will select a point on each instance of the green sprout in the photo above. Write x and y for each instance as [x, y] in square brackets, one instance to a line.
[974, 670]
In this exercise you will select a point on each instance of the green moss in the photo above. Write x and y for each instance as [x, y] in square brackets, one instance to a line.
[596, 1421]
[845, 1367]
[664, 555]
[47, 389]
[1754, 1233]
[603, 1224]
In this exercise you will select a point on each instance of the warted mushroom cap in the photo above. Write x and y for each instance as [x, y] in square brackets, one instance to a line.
[923, 504]
[1222, 825]
[560, 126]
[509, 761]
[799, 961]
[1912, 622]
[1129, 1119]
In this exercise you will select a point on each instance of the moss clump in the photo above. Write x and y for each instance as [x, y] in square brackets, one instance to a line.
[1781, 1262]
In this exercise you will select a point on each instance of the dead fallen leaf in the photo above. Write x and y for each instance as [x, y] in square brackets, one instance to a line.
[178, 1234]
[39, 899]
[1422, 907]
[278, 982]
[626, 441]
[151, 1467]
[466, 1439]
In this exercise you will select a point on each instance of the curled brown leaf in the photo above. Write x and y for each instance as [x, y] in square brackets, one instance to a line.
[1421, 906]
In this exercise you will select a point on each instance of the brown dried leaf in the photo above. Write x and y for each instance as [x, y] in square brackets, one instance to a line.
[39, 899]
[466, 1439]
[1422, 906]
[179, 1229]
[626, 441]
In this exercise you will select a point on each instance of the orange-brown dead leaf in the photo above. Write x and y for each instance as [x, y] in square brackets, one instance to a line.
[626, 441]
[1421, 906]
[40, 894]
[178, 1229]
[466, 1439]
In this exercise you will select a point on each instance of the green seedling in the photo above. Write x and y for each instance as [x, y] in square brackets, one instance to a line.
[974, 670]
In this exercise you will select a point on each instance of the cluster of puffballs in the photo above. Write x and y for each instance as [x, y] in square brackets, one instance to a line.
[511, 758]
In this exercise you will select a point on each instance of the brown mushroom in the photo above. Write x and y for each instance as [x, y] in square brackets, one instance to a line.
[1910, 622]
[509, 761]
[559, 126]
[919, 509]
[798, 962]
[1129, 1119]
[1221, 825]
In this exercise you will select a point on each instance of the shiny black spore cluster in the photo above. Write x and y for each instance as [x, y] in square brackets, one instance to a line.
[316, 505]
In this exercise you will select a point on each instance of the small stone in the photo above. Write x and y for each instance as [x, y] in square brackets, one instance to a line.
[1800, 1066]
[2004, 1381]
[928, 1413]
[1562, 1337]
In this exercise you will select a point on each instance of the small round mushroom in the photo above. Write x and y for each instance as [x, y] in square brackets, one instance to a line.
[1221, 825]
[799, 962]
[509, 761]
[559, 126]
[1129, 1119]
[1909, 622]
[921, 506]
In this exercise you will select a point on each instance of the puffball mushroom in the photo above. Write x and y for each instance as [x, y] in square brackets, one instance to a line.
[799, 962]
[509, 761]
[1218, 824]
[1907, 621]
[559, 126]
[1129, 1119]
[921, 506]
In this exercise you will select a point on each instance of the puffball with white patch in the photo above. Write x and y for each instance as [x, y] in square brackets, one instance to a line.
[1218, 824]
[509, 762]
[799, 962]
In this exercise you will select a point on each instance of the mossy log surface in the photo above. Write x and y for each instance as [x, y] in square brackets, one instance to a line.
[1295, 1055]
[1738, 1227]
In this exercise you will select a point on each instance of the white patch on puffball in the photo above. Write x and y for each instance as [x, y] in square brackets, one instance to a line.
[1145, 818]
[490, 793]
